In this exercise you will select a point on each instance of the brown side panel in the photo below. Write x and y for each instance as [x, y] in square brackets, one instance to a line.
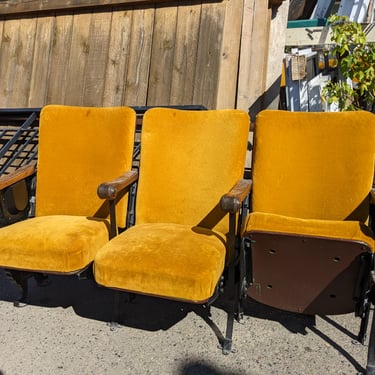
[307, 274]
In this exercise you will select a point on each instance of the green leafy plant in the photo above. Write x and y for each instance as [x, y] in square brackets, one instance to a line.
[355, 88]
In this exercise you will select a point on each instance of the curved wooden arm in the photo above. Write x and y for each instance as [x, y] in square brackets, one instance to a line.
[231, 202]
[109, 190]
[18, 175]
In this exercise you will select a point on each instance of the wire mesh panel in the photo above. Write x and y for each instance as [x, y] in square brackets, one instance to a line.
[18, 138]
[19, 130]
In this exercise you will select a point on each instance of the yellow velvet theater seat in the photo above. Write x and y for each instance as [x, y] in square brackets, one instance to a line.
[309, 244]
[181, 241]
[79, 148]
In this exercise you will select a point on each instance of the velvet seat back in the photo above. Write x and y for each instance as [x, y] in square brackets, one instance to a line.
[314, 165]
[189, 159]
[79, 148]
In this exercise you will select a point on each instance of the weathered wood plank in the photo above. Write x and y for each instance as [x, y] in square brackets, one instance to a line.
[308, 36]
[275, 55]
[164, 40]
[305, 36]
[16, 62]
[229, 56]
[259, 51]
[2, 36]
[41, 62]
[79, 52]
[59, 58]
[185, 54]
[136, 83]
[253, 53]
[1, 33]
[98, 44]
[244, 73]
[207, 68]
[8, 57]
[118, 58]
[25, 52]
[20, 6]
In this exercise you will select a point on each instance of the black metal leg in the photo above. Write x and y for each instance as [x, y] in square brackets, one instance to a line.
[232, 311]
[115, 322]
[370, 368]
[240, 299]
[241, 286]
[364, 324]
[227, 343]
[112, 213]
[21, 278]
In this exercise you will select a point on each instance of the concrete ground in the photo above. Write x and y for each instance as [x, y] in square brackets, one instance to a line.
[64, 330]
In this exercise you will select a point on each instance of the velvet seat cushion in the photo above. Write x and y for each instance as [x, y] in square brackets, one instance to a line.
[56, 243]
[189, 159]
[79, 148]
[157, 259]
[345, 230]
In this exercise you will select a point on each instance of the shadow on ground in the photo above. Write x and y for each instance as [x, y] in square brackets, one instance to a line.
[94, 302]
[152, 314]
[201, 368]
[301, 324]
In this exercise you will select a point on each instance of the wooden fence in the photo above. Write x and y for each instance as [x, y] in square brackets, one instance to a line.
[217, 53]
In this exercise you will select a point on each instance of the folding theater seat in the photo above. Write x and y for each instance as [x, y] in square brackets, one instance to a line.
[189, 194]
[79, 148]
[308, 240]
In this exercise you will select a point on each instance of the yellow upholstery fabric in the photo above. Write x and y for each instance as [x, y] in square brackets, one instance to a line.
[79, 147]
[345, 230]
[313, 165]
[177, 248]
[61, 243]
[172, 260]
[189, 159]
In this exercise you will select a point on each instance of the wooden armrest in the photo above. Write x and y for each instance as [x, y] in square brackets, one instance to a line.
[372, 196]
[231, 202]
[109, 190]
[19, 174]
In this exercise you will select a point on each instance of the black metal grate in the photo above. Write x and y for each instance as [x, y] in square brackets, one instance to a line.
[19, 129]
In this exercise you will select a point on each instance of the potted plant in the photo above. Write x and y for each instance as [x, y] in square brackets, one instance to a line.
[354, 89]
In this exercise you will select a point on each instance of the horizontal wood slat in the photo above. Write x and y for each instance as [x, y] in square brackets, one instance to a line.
[14, 6]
